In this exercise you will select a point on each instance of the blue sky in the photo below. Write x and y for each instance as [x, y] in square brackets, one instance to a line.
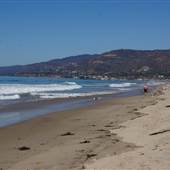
[40, 30]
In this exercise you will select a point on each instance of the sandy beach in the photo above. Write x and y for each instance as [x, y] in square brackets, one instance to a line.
[107, 135]
[149, 133]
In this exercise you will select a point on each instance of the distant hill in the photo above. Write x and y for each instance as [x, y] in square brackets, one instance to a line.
[122, 63]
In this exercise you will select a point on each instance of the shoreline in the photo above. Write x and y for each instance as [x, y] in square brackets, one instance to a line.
[69, 139]
[20, 112]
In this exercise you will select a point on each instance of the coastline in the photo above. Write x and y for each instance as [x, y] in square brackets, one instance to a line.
[18, 112]
[70, 139]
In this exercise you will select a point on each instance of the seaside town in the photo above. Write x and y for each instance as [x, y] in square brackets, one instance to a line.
[105, 66]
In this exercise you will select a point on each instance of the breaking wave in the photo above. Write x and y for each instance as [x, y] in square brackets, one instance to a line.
[154, 83]
[122, 85]
[9, 97]
[7, 89]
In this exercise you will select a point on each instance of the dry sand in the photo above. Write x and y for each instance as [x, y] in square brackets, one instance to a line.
[109, 135]
[151, 135]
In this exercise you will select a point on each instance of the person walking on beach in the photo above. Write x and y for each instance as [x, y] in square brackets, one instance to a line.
[145, 89]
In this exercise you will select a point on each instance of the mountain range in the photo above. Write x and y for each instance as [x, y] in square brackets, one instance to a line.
[124, 63]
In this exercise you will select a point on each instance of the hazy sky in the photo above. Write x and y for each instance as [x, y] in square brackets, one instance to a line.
[40, 30]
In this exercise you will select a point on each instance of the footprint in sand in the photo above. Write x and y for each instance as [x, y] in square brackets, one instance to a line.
[114, 141]
[88, 156]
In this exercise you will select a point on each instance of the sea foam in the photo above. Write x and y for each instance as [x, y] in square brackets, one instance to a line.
[9, 97]
[68, 95]
[122, 85]
[6, 89]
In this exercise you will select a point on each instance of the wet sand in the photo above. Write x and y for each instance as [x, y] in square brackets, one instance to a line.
[21, 111]
[72, 139]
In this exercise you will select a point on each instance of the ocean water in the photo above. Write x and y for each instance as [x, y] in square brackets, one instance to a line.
[25, 90]
[30, 88]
